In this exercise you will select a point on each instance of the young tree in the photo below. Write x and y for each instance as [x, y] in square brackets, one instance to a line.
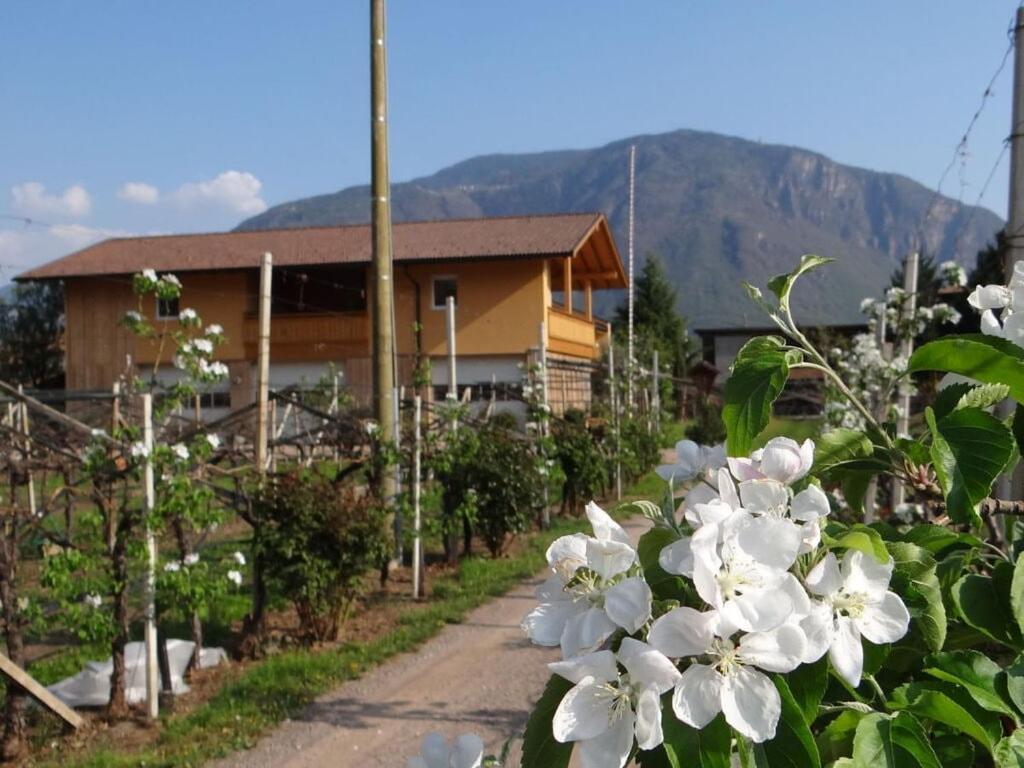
[30, 333]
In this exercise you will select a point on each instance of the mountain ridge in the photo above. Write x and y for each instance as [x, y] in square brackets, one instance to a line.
[717, 209]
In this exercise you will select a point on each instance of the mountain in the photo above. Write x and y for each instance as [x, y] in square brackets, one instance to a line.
[718, 210]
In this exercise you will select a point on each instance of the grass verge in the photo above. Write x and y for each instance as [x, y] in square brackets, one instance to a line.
[261, 695]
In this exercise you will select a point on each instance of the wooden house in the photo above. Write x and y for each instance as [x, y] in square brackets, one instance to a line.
[508, 276]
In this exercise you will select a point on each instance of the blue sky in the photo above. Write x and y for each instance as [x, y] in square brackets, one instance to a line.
[210, 111]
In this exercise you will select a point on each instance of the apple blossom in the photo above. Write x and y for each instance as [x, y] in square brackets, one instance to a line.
[857, 594]
[180, 451]
[235, 578]
[692, 460]
[466, 752]
[606, 708]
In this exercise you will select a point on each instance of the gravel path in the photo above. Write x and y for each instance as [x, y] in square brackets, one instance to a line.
[482, 675]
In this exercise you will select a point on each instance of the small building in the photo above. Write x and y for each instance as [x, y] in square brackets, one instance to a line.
[509, 276]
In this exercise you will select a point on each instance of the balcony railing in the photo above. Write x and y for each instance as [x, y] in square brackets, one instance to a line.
[313, 335]
[571, 334]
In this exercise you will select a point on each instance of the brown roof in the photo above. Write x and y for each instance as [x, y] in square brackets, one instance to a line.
[452, 240]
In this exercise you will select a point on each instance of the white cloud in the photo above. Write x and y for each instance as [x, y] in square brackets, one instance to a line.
[236, 191]
[22, 248]
[32, 199]
[139, 192]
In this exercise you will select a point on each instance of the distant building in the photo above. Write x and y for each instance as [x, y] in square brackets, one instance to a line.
[508, 276]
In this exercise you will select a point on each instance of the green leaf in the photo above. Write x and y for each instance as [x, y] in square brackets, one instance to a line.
[954, 751]
[760, 346]
[983, 396]
[974, 672]
[859, 537]
[969, 449]
[1017, 427]
[916, 580]
[982, 358]
[781, 285]
[937, 538]
[686, 747]
[836, 738]
[912, 742]
[755, 383]
[793, 745]
[855, 489]
[934, 703]
[1009, 752]
[807, 683]
[983, 602]
[663, 584]
[947, 398]
[1017, 593]
[839, 445]
[540, 750]
[1015, 683]
[872, 743]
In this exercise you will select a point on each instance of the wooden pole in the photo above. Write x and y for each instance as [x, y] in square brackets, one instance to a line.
[149, 503]
[656, 394]
[263, 364]
[545, 513]
[880, 407]
[39, 692]
[449, 327]
[417, 551]
[906, 349]
[613, 385]
[383, 288]
[27, 448]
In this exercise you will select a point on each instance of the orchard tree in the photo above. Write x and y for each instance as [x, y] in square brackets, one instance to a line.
[31, 325]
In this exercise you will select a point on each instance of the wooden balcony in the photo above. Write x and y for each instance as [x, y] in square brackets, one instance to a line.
[571, 334]
[311, 336]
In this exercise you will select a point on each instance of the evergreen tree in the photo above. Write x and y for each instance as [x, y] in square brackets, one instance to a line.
[31, 325]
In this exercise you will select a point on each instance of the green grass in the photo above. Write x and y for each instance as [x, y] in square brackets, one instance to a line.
[266, 693]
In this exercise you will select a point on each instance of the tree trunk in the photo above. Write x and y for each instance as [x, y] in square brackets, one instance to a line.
[195, 623]
[118, 706]
[254, 626]
[14, 742]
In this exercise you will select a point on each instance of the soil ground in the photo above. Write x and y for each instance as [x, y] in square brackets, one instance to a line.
[482, 675]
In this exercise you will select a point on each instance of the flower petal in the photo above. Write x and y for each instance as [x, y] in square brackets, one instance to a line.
[990, 325]
[751, 704]
[727, 489]
[744, 469]
[824, 578]
[647, 666]
[715, 511]
[885, 621]
[772, 541]
[599, 665]
[545, 624]
[677, 557]
[567, 553]
[810, 504]
[468, 751]
[989, 297]
[584, 712]
[435, 751]
[648, 719]
[609, 558]
[846, 652]
[628, 603]
[683, 632]
[782, 459]
[758, 610]
[862, 573]
[764, 495]
[818, 626]
[698, 695]
[605, 528]
[610, 749]
[780, 650]
[585, 631]
[699, 494]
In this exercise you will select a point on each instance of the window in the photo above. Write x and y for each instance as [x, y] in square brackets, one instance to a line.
[443, 288]
[215, 400]
[315, 289]
[167, 309]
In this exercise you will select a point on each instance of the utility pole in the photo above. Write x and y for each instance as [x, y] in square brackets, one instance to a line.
[383, 288]
[263, 364]
[629, 346]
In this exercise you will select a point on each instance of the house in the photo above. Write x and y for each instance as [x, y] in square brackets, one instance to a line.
[508, 276]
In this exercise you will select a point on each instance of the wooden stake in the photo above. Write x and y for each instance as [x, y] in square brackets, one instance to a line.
[27, 447]
[903, 420]
[39, 692]
[545, 513]
[417, 546]
[263, 364]
[615, 412]
[149, 503]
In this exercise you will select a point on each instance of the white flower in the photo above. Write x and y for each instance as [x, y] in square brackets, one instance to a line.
[139, 450]
[132, 316]
[238, 557]
[989, 297]
[150, 275]
[235, 578]
[213, 440]
[180, 451]
[218, 370]
[371, 428]
[94, 601]
[214, 329]
[729, 682]
[205, 346]
[191, 558]
[187, 315]
[172, 280]
[590, 593]
[172, 567]
[692, 460]
[605, 708]
[860, 603]
[466, 752]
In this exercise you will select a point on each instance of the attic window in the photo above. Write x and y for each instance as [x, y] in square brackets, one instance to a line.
[444, 287]
[167, 309]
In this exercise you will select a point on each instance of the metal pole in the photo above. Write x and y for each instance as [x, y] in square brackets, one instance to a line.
[263, 364]
[149, 502]
[629, 350]
[417, 551]
[545, 513]
[615, 412]
[383, 293]
[906, 349]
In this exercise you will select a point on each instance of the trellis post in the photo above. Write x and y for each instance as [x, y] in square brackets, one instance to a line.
[149, 504]
[417, 546]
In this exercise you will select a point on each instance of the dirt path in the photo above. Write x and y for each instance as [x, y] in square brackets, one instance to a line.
[482, 675]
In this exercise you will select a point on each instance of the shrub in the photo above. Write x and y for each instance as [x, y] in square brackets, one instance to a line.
[638, 447]
[707, 427]
[584, 467]
[318, 539]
